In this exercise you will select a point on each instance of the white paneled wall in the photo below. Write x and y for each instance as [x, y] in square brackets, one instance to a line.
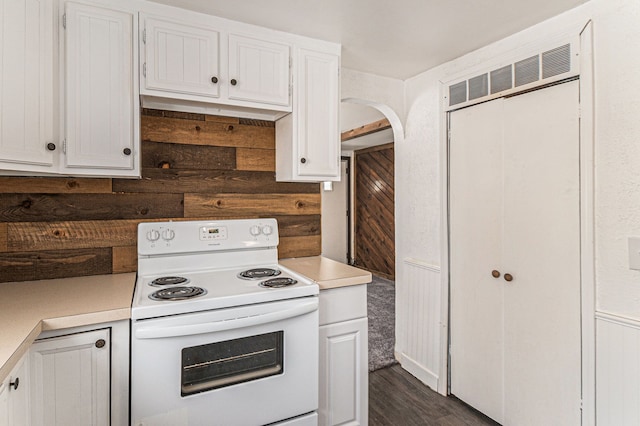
[418, 320]
[617, 371]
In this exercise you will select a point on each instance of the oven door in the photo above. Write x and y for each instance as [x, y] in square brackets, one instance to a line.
[249, 365]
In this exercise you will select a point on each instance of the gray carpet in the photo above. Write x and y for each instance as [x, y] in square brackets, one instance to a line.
[381, 296]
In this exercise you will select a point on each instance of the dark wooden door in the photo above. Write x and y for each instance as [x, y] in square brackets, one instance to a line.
[374, 210]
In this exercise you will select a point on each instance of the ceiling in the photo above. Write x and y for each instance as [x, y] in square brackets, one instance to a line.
[398, 39]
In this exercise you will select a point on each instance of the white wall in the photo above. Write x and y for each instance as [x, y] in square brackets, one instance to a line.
[616, 28]
[334, 219]
[383, 90]
[617, 149]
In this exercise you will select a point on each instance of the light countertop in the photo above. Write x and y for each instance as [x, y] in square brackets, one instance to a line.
[326, 272]
[30, 307]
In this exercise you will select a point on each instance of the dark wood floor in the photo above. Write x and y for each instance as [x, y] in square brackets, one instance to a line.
[396, 398]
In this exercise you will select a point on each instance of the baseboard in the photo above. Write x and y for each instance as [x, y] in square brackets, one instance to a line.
[418, 371]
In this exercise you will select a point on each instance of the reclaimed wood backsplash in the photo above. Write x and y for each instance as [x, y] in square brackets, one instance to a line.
[194, 167]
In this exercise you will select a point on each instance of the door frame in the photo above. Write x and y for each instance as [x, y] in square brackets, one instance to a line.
[587, 221]
[347, 160]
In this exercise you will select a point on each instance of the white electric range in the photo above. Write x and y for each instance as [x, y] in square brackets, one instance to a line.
[221, 333]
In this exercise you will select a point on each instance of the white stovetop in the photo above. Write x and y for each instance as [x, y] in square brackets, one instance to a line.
[224, 290]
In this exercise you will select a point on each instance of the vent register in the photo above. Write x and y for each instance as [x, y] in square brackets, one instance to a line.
[535, 68]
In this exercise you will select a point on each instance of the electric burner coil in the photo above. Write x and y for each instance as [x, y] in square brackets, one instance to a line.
[168, 281]
[278, 282]
[177, 293]
[258, 273]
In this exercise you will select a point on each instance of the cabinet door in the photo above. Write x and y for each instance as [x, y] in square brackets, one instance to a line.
[27, 40]
[4, 403]
[100, 93]
[18, 395]
[181, 58]
[343, 373]
[258, 71]
[71, 379]
[318, 100]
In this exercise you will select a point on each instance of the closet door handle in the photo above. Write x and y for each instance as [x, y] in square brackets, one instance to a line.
[495, 274]
[508, 277]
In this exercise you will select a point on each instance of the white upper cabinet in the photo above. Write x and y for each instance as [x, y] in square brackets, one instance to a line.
[318, 115]
[73, 77]
[181, 58]
[258, 70]
[100, 91]
[308, 140]
[68, 97]
[219, 64]
[28, 130]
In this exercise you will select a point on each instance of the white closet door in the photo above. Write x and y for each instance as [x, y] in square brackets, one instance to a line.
[542, 252]
[475, 220]
[514, 207]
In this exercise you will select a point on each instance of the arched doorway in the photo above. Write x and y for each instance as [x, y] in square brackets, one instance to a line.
[339, 212]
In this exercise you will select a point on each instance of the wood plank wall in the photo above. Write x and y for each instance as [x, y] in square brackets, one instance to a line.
[374, 210]
[194, 167]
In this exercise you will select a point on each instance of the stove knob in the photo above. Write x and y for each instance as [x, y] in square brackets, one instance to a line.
[255, 230]
[168, 234]
[153, 235]
[267, 230]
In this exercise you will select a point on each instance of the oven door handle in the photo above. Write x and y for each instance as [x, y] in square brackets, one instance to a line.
[230, 324]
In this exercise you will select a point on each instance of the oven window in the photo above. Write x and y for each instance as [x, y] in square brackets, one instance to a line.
[227, 363]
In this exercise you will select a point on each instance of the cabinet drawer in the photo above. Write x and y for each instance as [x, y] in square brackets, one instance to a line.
[343, 304]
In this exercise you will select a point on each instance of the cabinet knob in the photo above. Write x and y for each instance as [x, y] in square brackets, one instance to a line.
[508, 277]
[495, 274]
[127, 151]
[51, 146]
[234, 81]
[303, 160]
[15, 383]
[100, 343]
[214, 79]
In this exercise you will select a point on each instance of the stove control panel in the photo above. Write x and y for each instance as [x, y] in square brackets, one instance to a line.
[162, 238]
[208, 233]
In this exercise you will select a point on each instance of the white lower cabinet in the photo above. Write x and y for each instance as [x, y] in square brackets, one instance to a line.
[70, 380]
[4, 403]
[79, 376]
[343, 396]
[14, 396]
